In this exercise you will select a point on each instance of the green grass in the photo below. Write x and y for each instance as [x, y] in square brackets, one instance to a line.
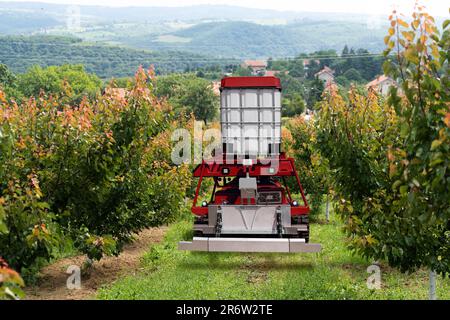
[333, 273]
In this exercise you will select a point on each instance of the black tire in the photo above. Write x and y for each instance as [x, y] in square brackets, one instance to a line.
[305, 235]
[303, 220]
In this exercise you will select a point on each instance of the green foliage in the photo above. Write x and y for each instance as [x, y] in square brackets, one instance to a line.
[26, 225]
[420, 165]
[292, 85]
[241, 39]
[299, 93]
[95, 247]
[95, 173]
[188, 93]
[296, 68]
[243, 72]
[72, 80]
[8, 82]
[390, 159]
[7, 78]
[343, 81]
[275, 64]
[293, 106]
[315, 93]
[312, 168]
[20, 53]
[366, 65]
[355, 137]
[353, 75]
[124, 82]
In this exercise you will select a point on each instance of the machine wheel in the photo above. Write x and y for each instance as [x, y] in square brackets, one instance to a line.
[304, 235]
[303, 220]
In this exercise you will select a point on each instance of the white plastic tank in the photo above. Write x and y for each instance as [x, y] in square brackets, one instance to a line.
[250, 116]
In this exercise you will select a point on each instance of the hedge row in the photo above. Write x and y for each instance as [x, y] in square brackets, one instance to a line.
[93, 174]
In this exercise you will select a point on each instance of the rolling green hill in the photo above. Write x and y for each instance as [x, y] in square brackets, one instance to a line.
[21, 52]
[250, 40]
[217, 30]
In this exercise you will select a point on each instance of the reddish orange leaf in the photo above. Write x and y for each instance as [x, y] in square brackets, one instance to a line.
[402, 23]
[447, 120]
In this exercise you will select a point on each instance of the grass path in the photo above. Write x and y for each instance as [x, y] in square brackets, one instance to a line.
[333, 273]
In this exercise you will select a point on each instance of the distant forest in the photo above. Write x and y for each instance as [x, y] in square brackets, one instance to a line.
[19, 53]
[239, 39]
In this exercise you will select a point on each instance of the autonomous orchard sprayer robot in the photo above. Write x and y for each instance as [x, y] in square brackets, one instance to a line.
[251, 208]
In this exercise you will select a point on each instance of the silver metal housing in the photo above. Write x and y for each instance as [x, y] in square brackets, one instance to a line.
[247, 219]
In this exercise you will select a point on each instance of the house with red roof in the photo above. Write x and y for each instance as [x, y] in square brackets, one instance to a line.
[271, 73]
[257, 66]
[274, 73]
[326, 75]
[381, 84]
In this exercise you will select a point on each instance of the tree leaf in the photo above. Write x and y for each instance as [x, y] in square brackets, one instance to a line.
[386, 39]
[3, 227]
[396, 185]
[411, 55]
[447, 120]
[408, 35]
[402, 23]
[435, 144]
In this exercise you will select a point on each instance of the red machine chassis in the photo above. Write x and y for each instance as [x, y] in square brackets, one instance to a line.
[284, 168]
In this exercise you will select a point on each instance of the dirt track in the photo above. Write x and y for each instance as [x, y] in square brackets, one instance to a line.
[52, 283]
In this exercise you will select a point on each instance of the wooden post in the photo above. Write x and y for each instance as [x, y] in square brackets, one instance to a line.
[433, 285]
[327, 209]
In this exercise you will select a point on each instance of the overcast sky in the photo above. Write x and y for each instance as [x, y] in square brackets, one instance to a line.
[435, 7]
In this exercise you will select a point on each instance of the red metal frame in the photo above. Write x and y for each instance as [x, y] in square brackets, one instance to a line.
[251, 82]
[284, 168]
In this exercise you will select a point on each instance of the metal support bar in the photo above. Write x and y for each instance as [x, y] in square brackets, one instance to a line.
[199, 184]
[219, 222]
[213, 194]
[298, 182]
[279, 223]
[249, 245]
[287, 189]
